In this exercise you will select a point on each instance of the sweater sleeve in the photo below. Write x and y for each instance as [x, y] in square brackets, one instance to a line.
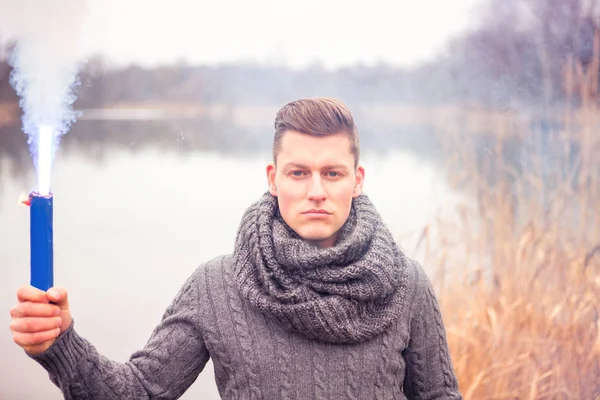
[165, 367]
[429, 370]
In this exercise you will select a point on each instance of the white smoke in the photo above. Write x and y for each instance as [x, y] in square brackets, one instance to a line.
[46, 62]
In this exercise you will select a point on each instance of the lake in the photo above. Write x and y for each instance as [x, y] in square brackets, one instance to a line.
[132, 223]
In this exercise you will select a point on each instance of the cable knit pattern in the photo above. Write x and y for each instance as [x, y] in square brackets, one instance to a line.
[441, 338]
[231, 391]
[353, 377]
[388, 345]
[320, 373]
[428, 347]
[285, 362]
[260, 340]
[243, 335]
[386, 353]
[343, 294]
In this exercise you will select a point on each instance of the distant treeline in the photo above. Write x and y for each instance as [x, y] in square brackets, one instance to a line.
[521, 54]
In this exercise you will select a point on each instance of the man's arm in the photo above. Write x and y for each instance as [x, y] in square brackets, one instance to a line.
[165, 368]
[429, 370]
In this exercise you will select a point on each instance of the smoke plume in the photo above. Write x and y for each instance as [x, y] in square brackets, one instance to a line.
[45, 61]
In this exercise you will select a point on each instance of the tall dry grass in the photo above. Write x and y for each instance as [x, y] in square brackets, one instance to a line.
[522, 301]
[522, 307]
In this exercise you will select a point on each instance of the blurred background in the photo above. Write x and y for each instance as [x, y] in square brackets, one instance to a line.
[479, 131]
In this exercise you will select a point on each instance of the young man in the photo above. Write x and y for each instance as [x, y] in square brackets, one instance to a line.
[315, 301]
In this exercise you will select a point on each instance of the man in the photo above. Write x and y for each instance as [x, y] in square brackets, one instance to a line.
[316, 301]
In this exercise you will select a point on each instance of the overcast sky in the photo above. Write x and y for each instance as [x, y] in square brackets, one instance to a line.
[293, 33]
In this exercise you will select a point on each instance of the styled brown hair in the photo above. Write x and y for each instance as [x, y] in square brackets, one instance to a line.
[320, 116]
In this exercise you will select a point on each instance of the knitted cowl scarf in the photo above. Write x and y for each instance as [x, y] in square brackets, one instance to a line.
[347, 293]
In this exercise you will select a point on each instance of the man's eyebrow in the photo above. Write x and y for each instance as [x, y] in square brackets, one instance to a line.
[336, 166]
[303, 166]
[295, 165]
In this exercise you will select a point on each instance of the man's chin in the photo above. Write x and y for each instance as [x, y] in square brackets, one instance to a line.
[318, 237]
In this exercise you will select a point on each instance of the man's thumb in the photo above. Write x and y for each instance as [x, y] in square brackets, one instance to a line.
[59, 297]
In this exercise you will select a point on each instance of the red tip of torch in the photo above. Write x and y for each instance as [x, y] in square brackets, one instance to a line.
[25, 200]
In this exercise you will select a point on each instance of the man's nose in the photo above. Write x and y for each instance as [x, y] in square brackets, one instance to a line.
[316, 191]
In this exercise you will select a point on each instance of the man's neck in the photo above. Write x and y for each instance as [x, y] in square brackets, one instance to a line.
[325, 243]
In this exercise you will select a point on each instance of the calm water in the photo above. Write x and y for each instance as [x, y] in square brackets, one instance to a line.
[130, 226]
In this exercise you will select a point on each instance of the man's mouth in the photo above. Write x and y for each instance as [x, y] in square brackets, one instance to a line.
[315, 212]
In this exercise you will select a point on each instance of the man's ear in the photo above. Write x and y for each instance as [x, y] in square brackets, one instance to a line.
[271, 172]
[360, 179]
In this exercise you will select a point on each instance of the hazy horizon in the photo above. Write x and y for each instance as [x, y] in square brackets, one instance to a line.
[332, 33]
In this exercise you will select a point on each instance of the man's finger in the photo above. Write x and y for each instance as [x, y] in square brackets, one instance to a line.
[30, 293]
[29, 309]
[59, 296]
[36, 349]
[31, 325]
[31, 339]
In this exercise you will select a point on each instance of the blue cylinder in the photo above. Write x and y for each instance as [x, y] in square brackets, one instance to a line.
[41, 247]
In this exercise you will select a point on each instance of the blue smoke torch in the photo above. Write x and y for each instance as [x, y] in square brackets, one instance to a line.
[41, 246]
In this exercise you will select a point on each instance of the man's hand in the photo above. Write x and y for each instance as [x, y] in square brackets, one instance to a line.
[36, 322]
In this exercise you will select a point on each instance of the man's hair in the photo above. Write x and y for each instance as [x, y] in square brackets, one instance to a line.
[316, 117]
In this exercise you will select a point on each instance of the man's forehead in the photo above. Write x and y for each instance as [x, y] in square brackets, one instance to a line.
[316, 156]
[315, 151]
[336, 145]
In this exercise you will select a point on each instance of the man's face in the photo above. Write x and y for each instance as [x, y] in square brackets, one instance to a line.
[315, 182]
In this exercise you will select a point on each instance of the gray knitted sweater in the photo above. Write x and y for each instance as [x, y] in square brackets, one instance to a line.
[314, 346]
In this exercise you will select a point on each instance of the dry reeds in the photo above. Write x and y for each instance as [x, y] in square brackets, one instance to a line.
[522, 307]
[521, 266]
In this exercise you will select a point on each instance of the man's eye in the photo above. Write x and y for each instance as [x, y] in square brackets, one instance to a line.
[297, 173]
[333, 174]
